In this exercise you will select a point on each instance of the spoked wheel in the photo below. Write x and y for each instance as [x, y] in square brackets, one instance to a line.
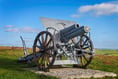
[85, 54]
[44, 50]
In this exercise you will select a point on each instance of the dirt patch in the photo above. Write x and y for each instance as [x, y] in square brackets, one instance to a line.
[71, 73]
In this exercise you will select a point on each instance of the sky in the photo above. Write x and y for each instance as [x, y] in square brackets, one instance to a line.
[21, 18]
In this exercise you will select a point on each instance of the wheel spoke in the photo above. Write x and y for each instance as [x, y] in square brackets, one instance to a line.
[46, 38]
[45, 61]
[43, 42]
[40, 60]
[84, 42]
[38, 46]
[81, 59]
[80, 41]
[85, 47]
[49, 59]
[49, 53]
[48, 42]
[50, 48]
[85, 58]
[40, 42]
[88, 52]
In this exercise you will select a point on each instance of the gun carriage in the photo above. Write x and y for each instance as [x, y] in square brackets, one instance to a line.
[62, 40]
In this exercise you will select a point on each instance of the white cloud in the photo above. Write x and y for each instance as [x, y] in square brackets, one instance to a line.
[10, 28]
[99, 9]
[75, 16]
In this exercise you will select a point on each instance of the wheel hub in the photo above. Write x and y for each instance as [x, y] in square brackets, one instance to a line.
[43, 49]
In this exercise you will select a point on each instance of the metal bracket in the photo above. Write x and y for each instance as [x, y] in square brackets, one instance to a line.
[24, 47]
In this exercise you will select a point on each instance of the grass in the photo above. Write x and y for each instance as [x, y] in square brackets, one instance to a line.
[107, 52]
[105, 60]
[105, 63]
[10, 69]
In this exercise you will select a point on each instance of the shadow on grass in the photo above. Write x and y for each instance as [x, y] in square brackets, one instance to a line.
[10, 69]
[10, 64]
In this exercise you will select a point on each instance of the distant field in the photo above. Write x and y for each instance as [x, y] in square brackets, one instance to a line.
[107, 52]
[106, 60]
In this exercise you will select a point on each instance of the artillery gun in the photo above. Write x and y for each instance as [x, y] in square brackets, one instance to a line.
[63, 42]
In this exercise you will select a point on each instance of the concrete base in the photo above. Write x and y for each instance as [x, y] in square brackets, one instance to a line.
[72, 73]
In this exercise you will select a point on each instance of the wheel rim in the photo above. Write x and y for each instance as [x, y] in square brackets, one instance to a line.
[44, 50]
[85, 55]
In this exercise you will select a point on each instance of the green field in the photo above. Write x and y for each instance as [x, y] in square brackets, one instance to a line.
[106, 60]
[107, 52]
[10, 69]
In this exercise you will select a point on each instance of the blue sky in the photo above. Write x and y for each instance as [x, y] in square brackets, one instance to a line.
[21, 17]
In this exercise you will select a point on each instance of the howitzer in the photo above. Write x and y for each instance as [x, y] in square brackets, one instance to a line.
[72, 31]
[62, 39]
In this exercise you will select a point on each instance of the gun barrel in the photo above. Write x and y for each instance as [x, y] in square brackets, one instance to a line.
[72, 31]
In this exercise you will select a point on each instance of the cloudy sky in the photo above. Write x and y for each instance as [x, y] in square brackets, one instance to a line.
[21, 17]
